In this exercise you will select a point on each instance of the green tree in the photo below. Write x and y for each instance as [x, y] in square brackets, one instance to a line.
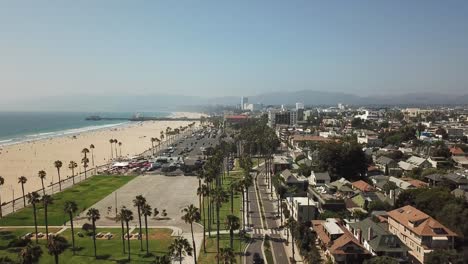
[58, 164]
[56, 246]
[71, 208]
[441, 256]
[127, 216]
[381, 260]
[2, 182]
[226, 256]
[94, 215]
[22, 180]
[146, 211]
[29, 254]
[191, 215]
[72, 166]
[219, 197]
[138, 202]
[179, 247]
[232, 223]
[120, 218]
[33, 198]
[164, 259]
[42, 174]
[47, 200]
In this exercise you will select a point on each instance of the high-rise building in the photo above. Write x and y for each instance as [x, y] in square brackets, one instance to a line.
[299, 106]
[244, 101]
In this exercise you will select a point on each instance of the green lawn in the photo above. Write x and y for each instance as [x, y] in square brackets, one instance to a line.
[210, 256]
[225, 209]
[85, 194]
[109, 251]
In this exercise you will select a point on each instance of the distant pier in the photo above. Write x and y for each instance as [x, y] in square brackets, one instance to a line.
[141, 118]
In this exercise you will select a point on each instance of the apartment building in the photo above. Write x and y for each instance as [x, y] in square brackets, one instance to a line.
[419, 231]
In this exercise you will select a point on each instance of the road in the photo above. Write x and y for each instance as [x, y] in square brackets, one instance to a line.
[256, 227]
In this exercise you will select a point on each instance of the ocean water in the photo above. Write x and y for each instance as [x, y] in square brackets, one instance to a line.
[17, 127]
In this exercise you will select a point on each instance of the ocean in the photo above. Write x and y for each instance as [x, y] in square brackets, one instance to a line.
[17, 127]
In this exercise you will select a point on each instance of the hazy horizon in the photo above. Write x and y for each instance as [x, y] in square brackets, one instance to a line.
[215, 49]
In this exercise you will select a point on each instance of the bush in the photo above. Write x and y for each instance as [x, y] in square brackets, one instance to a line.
[19, 242]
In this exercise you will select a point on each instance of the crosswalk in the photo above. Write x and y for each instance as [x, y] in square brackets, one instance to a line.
[260, 231]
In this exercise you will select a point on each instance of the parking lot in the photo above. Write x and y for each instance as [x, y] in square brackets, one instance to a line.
[161, 192]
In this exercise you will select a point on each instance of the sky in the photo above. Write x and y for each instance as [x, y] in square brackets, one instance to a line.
[231, 48]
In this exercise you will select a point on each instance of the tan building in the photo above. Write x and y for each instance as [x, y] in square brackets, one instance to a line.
[420, 232]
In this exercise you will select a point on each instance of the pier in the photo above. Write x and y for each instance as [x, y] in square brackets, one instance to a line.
[141, 118]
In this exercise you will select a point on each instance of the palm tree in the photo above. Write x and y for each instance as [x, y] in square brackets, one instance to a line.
[111, 141]
[58, 165]
[57, 246]
[85, 160]
[291, 225]
[138, 202]
[232, 223]
[72, 166]
[47, 200]
[2, 181]
[23, 180]
[164, 259]
[115, 147]
[29, 254]
[42, 174]
[127, 216]
[219, 197]
[180, 246]
[146, 211]
[120, 218]
[93, 215]
[70, 208]
[226, 256]
[191, 215]
[152, 144]
[92, 147]
[204, 190]
[120, 149]
[33, 198]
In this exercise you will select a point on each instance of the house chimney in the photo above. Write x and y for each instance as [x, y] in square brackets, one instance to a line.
[370, 234]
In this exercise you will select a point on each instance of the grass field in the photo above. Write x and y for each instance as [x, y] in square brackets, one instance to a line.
[85, 194]
[225, 209]
[210, 256]
[108, 251]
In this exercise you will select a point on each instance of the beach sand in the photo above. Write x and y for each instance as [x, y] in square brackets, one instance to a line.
[26, 159]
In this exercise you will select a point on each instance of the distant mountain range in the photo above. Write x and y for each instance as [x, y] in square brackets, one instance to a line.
[181, 102]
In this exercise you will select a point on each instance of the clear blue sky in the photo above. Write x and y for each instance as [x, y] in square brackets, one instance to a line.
[215, 48]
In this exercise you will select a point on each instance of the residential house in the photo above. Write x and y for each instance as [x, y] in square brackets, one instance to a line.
[386, 164]
[419, 162]
[280, 163]
[419, 231]
[363, 199]
[374, 236]
[303, 209]
[338, 243]
[362, 186]
[319, 178]
[460, 193]
[300, 183]
[370, 141]
[298, 140]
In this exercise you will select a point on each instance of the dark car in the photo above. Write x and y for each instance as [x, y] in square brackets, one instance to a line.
[257, 259]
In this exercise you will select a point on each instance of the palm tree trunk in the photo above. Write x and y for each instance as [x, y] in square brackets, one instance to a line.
[56, 258]
[112, 152]
[199, 196]
[232, 200]
[46, 223]
[60, 182]
[139, 221]
[204, 223]
[146, 231]
[1, 213]
[243, 210]
[209, 212]
[73, 176]
[94, 238]
[217, 230]
[35, 219]
[193, 241]
[43, 189]
[231, 235]
[73, 233]
[24, 197]
[180, 256]
[92, 156]
[247, 205]
[128, 240]
[123, 236]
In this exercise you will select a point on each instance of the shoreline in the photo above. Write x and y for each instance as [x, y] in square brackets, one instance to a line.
[27, 158]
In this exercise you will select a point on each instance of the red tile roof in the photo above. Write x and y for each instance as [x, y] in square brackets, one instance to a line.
[309, 138]
[456, 151]
[362, 186]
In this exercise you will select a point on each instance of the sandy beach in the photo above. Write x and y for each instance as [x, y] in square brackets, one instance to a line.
[26, 159]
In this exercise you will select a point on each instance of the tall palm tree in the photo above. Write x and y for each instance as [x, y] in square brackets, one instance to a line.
[42, 174]
[120, 218]
[47, 200]
[204, 190]
[72, 166]
[219, 197]
[146, 211]
[58, 164]
[127, 216]
[248, 182]
[232, 223]
[22, 180]
[190, 215]
[71, 208]
[179, 247]
[92, 147]
[2, 182]
[226, 256]
[120, 149]
[291, 224]
[138, 202]
[111, 141]
[29, 254]
[56, 246]
[152, 144]
[93, 215]
[115, 147]
[85, 160]
[33, 198]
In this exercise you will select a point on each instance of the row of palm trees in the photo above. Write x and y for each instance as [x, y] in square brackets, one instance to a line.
[118, 152]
